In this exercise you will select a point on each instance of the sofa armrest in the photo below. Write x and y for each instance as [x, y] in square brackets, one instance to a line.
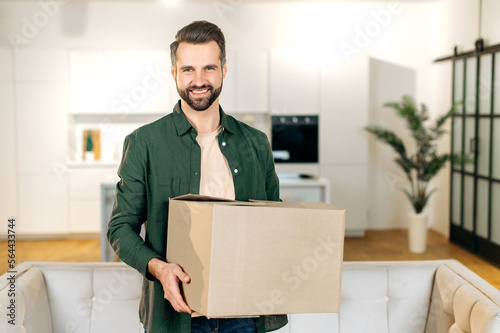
[463, 302]
[24, 304]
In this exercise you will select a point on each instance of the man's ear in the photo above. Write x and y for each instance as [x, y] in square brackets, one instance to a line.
[224, 70]
[172, 70]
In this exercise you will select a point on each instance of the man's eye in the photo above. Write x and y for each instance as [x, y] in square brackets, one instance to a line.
[187, 70]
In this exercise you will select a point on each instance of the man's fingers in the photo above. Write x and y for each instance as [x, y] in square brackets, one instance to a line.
[173, 293]
[183, 307]
[182, 276]
[175, 298]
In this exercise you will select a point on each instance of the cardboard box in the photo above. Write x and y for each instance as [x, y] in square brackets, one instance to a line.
[257, 258]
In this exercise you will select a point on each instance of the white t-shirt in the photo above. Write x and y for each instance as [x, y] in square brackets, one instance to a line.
[216, 177]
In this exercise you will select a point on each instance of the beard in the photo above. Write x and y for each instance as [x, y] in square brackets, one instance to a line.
[200, 104]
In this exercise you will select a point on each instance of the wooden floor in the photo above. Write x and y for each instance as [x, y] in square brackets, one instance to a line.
[375, 246]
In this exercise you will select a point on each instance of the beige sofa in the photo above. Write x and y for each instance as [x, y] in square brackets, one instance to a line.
[377, 297]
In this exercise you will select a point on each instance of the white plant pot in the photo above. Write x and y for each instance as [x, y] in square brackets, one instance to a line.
[89, 156]
[417, 232]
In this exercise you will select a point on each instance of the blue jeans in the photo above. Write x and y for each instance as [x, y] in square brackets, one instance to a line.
[233, 325]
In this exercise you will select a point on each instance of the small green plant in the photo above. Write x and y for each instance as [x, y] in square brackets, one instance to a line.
[425, 162]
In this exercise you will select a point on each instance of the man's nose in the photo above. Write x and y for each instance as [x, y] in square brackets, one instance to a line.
[199, 79]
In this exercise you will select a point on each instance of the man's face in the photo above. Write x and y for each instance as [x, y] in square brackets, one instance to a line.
[198, 74]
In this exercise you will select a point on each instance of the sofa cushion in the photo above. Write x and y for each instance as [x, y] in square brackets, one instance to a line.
[88, 299]
[466, 297]
[364, 300]
[485, 317]
[116, 291]
[386, 298]
[409, 293]
[32, 311]
[70, 294]
[313, 322]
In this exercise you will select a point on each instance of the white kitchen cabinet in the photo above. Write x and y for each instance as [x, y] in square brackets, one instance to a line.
[252, 82]
[8, 156]
[294, 84]
[121, 82]
[43, 204]
[348, 190]
[157, 81]
[85, 181]
[139, 81]
[42, 145]
[84, 216]
[344, 112]
[227, 99]
[246, 84]
[343, 142]
[42, 126]
[41, 140]
[41, 64]
[304, 189]
[85, 196]
[87, 70]
[7, 67]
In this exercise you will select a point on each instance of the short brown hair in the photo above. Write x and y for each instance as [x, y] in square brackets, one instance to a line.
[199, 32]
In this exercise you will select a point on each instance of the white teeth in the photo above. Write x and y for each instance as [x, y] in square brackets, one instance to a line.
[199, 91]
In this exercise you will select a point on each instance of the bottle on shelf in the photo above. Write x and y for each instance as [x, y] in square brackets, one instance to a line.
[89, 155]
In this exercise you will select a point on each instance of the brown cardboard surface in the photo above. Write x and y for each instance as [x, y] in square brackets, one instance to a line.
[249, 259]
[192, 233]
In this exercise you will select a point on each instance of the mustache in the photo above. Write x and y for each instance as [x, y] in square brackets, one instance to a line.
[206, 86]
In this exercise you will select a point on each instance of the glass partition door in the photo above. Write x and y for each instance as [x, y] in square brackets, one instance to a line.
[475, 188]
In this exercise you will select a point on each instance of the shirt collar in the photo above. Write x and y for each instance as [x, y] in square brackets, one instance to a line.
[182, 124]
[226, 121]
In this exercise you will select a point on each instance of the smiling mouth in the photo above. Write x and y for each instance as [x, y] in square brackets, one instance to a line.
[198, 92]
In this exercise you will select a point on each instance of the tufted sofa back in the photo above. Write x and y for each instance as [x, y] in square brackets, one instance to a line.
[379, 297]
[376, 297]
[74, 297]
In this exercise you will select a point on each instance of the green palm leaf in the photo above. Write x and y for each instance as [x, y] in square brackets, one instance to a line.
[388, 137]
[425, 163]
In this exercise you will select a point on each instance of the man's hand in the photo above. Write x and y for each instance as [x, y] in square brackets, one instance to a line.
[169, 275]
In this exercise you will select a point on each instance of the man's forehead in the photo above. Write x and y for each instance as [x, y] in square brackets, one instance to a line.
[198, 48]
[198, 51]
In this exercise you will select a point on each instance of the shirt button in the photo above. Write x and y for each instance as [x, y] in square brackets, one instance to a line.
[196, 173]
[235, 170]
[223, 144]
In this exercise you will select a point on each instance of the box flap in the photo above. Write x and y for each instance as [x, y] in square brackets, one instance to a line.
[199, 197]
[299, 205]
[207, 198]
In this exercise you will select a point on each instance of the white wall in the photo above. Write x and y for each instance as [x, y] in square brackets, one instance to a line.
[8, 139]
[409, 35]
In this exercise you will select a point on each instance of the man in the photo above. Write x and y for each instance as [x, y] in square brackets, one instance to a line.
[195, 149]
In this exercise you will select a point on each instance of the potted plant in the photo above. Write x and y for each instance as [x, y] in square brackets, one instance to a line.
[420, 166]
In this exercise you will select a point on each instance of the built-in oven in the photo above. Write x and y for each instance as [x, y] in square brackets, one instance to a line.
[294, 139]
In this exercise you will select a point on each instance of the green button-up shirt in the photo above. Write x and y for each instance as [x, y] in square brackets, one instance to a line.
[162, 160]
